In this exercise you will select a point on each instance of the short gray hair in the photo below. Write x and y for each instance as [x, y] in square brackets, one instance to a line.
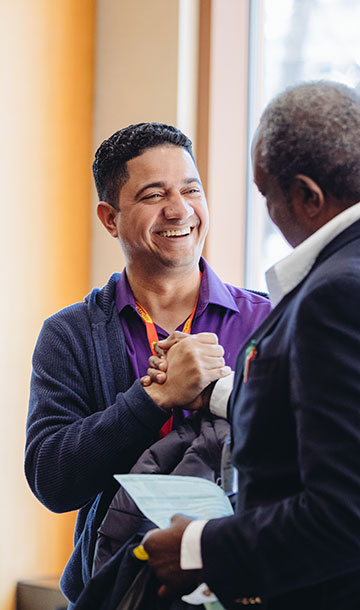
[314, 129]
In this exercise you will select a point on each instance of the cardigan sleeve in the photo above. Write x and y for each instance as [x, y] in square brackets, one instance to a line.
[74, 442]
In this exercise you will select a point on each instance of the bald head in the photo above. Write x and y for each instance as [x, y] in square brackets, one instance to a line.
[314, 129]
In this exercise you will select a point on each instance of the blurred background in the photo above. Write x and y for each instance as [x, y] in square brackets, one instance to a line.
[72, 73]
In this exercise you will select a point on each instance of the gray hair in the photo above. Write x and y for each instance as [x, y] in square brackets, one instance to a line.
[314, 129]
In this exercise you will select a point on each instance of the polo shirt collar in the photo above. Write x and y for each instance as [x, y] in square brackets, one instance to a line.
[212, 290]
[124, 294]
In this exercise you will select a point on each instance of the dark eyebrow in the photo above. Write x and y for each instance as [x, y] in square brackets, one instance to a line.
[163, 185]
[149, 186]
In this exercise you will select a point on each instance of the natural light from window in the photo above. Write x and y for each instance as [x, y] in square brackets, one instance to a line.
[292, 41]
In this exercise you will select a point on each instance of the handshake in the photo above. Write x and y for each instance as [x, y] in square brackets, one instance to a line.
[185, 370]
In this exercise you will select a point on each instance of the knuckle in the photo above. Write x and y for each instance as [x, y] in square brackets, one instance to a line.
[211, 338]
[216, 350]
[188, 347]
[177, 334]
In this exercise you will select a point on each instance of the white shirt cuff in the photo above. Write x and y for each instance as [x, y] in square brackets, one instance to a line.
[190, 550]
[220, 395]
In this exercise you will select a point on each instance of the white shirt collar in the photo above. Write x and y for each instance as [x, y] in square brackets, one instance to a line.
[287, 273]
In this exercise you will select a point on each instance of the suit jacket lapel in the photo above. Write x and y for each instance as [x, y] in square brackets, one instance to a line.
[260, 332]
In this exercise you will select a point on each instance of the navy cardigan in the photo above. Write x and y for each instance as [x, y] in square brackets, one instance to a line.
[87, 419]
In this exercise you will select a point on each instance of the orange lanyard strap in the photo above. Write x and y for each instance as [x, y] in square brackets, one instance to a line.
[150, 326]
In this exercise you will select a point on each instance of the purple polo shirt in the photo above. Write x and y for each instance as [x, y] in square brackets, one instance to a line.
[232, 313]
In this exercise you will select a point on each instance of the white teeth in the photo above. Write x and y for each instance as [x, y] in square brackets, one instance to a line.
[176, 233]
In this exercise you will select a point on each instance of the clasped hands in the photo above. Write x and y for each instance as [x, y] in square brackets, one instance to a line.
[185, 369]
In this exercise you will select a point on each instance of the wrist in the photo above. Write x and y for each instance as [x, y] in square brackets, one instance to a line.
[206, 394]
[158, 395]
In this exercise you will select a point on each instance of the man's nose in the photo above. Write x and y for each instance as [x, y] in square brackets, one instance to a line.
[177, 207]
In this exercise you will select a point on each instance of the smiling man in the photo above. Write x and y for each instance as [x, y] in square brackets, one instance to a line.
[89, 417]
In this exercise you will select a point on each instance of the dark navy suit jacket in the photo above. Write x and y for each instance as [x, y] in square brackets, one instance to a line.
[295, 538]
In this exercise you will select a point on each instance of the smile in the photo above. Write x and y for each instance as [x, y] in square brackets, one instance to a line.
[175, 232]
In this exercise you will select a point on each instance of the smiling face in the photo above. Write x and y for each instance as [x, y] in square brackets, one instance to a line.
[163, 218]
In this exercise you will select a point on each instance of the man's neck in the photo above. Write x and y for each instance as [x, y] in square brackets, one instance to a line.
[168, 298]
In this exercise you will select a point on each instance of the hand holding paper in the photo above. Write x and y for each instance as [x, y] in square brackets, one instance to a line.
[163, 547]
[160, 497]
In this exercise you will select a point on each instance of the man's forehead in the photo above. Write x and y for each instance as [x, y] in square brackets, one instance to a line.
[159, 150]
[163, 160]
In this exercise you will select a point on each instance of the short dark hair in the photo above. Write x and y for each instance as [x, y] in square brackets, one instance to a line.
[313, 129]
[109, 168]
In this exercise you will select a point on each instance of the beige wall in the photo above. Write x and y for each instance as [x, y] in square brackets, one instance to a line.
[136, 81]
[46, 80]
[227, 138]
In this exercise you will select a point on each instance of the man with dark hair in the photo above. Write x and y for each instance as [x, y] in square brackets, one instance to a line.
[294, 541]
[109, 167]
[89, 417]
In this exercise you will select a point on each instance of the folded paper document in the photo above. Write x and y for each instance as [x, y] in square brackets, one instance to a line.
[160, 496]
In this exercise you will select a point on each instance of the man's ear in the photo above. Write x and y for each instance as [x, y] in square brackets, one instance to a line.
[306, 192]
[107, 214]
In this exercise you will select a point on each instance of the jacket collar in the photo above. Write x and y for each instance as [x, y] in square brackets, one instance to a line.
[286, 274]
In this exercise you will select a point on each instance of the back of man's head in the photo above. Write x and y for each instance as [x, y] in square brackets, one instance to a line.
[314, 129]
[109, 168]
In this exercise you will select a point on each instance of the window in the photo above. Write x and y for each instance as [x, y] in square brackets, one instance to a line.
[292, 41]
